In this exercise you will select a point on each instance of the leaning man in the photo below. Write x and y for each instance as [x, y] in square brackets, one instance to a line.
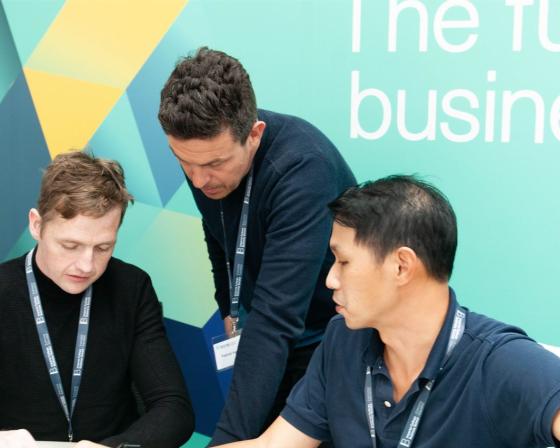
[405, 365]
[261, 181]
[79, 328]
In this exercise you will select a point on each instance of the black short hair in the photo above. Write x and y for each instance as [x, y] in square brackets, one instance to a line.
[402, 211]
[206, 94]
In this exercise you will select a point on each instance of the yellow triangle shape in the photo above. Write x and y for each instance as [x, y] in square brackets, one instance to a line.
[104, 42]
[69, 110]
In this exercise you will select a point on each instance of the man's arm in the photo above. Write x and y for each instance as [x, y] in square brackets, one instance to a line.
[297, 235]
[510, 376]
[219, 272]
[279, 435]
[169, 418]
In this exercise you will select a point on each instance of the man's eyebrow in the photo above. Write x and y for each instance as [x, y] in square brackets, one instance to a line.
[175, 154]
[218, 159]
[72, 241]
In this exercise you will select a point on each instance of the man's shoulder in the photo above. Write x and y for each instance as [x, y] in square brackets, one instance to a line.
[504, 343]
[13, 264]
[290, 139]
[490, 330]
[12, 270]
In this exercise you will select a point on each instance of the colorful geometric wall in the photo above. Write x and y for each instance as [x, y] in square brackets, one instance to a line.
[80, 74]
[461, 92]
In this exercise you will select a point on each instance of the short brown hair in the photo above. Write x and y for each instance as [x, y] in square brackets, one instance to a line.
[78, 183]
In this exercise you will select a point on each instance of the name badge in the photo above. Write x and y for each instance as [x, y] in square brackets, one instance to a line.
[225, 350]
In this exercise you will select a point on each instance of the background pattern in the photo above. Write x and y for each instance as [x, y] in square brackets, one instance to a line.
[77, 73]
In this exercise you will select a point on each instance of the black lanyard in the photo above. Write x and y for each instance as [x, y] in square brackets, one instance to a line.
[46, 344]
[415, 416]
[234, 282]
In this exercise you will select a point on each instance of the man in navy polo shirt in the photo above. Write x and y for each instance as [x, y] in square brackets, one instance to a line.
[404, 365]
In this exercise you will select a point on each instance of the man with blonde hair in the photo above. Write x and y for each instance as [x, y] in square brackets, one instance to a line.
[78, 327]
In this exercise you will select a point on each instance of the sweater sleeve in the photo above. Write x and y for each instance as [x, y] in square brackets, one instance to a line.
[169, 419]
[297, 235]
[219, 271]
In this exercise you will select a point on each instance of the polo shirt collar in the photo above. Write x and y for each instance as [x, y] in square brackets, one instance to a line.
[437, 355]
[373, 350]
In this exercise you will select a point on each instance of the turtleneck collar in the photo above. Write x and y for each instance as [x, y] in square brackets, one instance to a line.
[48, 288]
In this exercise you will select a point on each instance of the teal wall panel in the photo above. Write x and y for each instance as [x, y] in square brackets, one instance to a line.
[301, 60]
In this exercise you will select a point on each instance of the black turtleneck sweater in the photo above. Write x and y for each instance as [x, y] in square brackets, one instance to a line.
[126, 344]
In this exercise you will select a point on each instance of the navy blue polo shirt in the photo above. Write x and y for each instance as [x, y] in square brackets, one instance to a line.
[498, 389]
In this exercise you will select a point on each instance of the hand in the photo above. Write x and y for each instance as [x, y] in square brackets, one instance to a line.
[228, 325]
[19, 438]
[88, 444]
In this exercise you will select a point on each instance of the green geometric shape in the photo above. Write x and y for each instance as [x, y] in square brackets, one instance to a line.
[29, 22]
[173, 252]
[183, 202]
[10, 66]
[118, 138]
[137, 220]
[23, 245]
[197, 441]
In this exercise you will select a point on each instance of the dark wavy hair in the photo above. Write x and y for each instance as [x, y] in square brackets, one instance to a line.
[206, 94]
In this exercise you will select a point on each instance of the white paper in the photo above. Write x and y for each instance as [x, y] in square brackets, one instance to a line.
[225, 352]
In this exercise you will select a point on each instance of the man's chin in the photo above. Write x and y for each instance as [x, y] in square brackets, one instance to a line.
[74, 287]
[71, 289]
[215, 193]
[353, 324]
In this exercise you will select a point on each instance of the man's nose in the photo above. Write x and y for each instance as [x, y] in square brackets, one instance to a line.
[332, 281]
[199, 177]
[85, 261]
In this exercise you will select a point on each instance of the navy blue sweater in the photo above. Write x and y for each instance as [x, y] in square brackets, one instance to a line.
[297, 172]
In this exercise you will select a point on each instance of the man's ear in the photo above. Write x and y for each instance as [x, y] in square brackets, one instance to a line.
[407, 264]
[35, 223]
[255, 135]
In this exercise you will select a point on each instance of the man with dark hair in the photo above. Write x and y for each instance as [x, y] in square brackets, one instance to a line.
[78, 327]
[404, 365]
[261, 181]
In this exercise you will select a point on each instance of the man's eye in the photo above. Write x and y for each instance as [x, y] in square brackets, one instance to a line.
[69, 246]
[342, 262]
[104, 248]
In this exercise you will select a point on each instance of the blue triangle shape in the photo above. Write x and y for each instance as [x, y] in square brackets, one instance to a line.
[117, 138]
[29, 24]
[10, 66]
[24, 154]
[144, 94]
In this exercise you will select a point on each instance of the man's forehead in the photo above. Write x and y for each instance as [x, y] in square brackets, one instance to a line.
[342, 237]
[83, 226]
[198, 148]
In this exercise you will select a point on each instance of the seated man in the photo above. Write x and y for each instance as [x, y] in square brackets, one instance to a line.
[78, 327]
[404, 364]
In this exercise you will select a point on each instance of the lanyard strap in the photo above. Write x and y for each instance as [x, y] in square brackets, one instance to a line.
[46, 344]
[234, 282]
[413, 421]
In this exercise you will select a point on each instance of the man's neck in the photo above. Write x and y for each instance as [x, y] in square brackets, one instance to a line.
[409, 340]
